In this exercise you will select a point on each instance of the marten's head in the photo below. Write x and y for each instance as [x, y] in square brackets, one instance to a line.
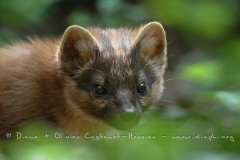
[113, 75]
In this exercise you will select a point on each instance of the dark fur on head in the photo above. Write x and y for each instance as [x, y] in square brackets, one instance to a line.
[119, 60]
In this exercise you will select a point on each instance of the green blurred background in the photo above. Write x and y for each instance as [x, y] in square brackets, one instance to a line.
[202, 94]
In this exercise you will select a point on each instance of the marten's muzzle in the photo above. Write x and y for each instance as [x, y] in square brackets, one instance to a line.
[125, 119]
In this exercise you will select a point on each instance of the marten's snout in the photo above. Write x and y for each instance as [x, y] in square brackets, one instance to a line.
[127, 115]
[125, 119]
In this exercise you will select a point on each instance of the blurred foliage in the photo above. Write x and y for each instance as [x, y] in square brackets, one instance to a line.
[13, 13]
[197, 18]
[123, 13]
[203, 98]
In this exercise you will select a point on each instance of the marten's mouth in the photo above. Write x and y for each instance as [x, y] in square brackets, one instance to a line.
[124, 120]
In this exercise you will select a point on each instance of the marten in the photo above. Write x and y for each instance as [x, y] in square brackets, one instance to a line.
[88, 80]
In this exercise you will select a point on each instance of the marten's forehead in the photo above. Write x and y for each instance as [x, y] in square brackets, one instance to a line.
[120, 68]
[116, 53]
[116, 42]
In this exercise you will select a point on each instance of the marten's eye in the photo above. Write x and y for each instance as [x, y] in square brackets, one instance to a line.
[100, 90]
[142, 88]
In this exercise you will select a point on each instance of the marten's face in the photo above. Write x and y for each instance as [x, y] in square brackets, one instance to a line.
[114, 83]
[118, 91]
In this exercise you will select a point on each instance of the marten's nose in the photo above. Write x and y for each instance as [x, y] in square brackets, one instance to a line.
[127, 115]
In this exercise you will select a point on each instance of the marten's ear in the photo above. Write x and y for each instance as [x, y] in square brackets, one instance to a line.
[78, 47]
[151, 40]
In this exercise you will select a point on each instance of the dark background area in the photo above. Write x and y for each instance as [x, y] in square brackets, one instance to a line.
[202, 81]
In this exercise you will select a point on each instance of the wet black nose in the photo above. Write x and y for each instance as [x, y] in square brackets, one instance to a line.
[127, 115]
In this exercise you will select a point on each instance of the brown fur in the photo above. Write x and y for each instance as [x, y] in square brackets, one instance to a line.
[46, 79]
